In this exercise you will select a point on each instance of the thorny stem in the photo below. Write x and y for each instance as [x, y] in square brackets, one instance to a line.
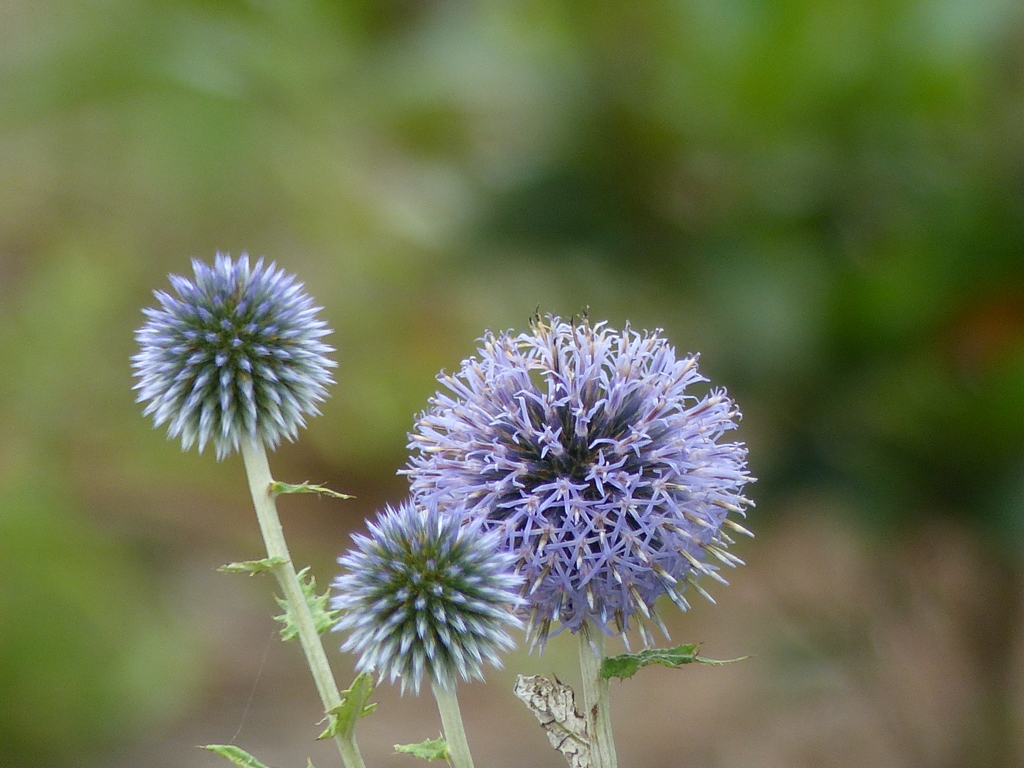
[454, 731]
[258, 471]
[596, 697]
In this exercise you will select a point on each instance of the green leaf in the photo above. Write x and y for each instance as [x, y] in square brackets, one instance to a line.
[627, 664]
[353, 707]
[238, 756]
[277, 488]
[431, 749]
[252, 567]
[323, 617]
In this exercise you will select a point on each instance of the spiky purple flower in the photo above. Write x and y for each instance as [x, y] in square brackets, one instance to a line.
[424, 593]
[584, 448]
[237, 354]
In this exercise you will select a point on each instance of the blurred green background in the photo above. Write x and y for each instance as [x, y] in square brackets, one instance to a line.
[823, 197]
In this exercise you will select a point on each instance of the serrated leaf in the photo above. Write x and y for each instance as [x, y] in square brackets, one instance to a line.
[236, 755]
[277, 488]
[628, 664]
[554, 704]
[252, 567]
[430, 750]
[353, 706]
[323, 617]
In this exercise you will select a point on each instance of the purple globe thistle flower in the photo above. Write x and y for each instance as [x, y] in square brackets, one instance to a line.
[425, 593]
[584, 449]
[236, 354]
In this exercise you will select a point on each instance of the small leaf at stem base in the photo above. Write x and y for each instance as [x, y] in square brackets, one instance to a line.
[628, 664]
[353, 707]
[252, 567]
[236, 755]
[323, 617]
[430, 750]
[277, 488]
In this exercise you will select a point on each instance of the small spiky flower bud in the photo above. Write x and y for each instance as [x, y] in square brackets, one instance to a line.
[423, 593]
[585, 450]
[236, 355]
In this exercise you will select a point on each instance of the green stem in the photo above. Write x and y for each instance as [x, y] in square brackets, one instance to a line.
[258, 471]
[454, 731]
[596, 697]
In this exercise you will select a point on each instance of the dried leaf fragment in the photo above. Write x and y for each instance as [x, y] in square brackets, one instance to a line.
[554, 705]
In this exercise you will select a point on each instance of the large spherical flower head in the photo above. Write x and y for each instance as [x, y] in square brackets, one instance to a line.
[237, 354]
[584, 448]
[425, 593]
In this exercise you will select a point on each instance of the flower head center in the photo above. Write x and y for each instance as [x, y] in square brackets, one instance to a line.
[581, 457]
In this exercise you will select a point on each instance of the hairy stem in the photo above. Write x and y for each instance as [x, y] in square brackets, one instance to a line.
[454, 731]
[596, 697]
[258, 471]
